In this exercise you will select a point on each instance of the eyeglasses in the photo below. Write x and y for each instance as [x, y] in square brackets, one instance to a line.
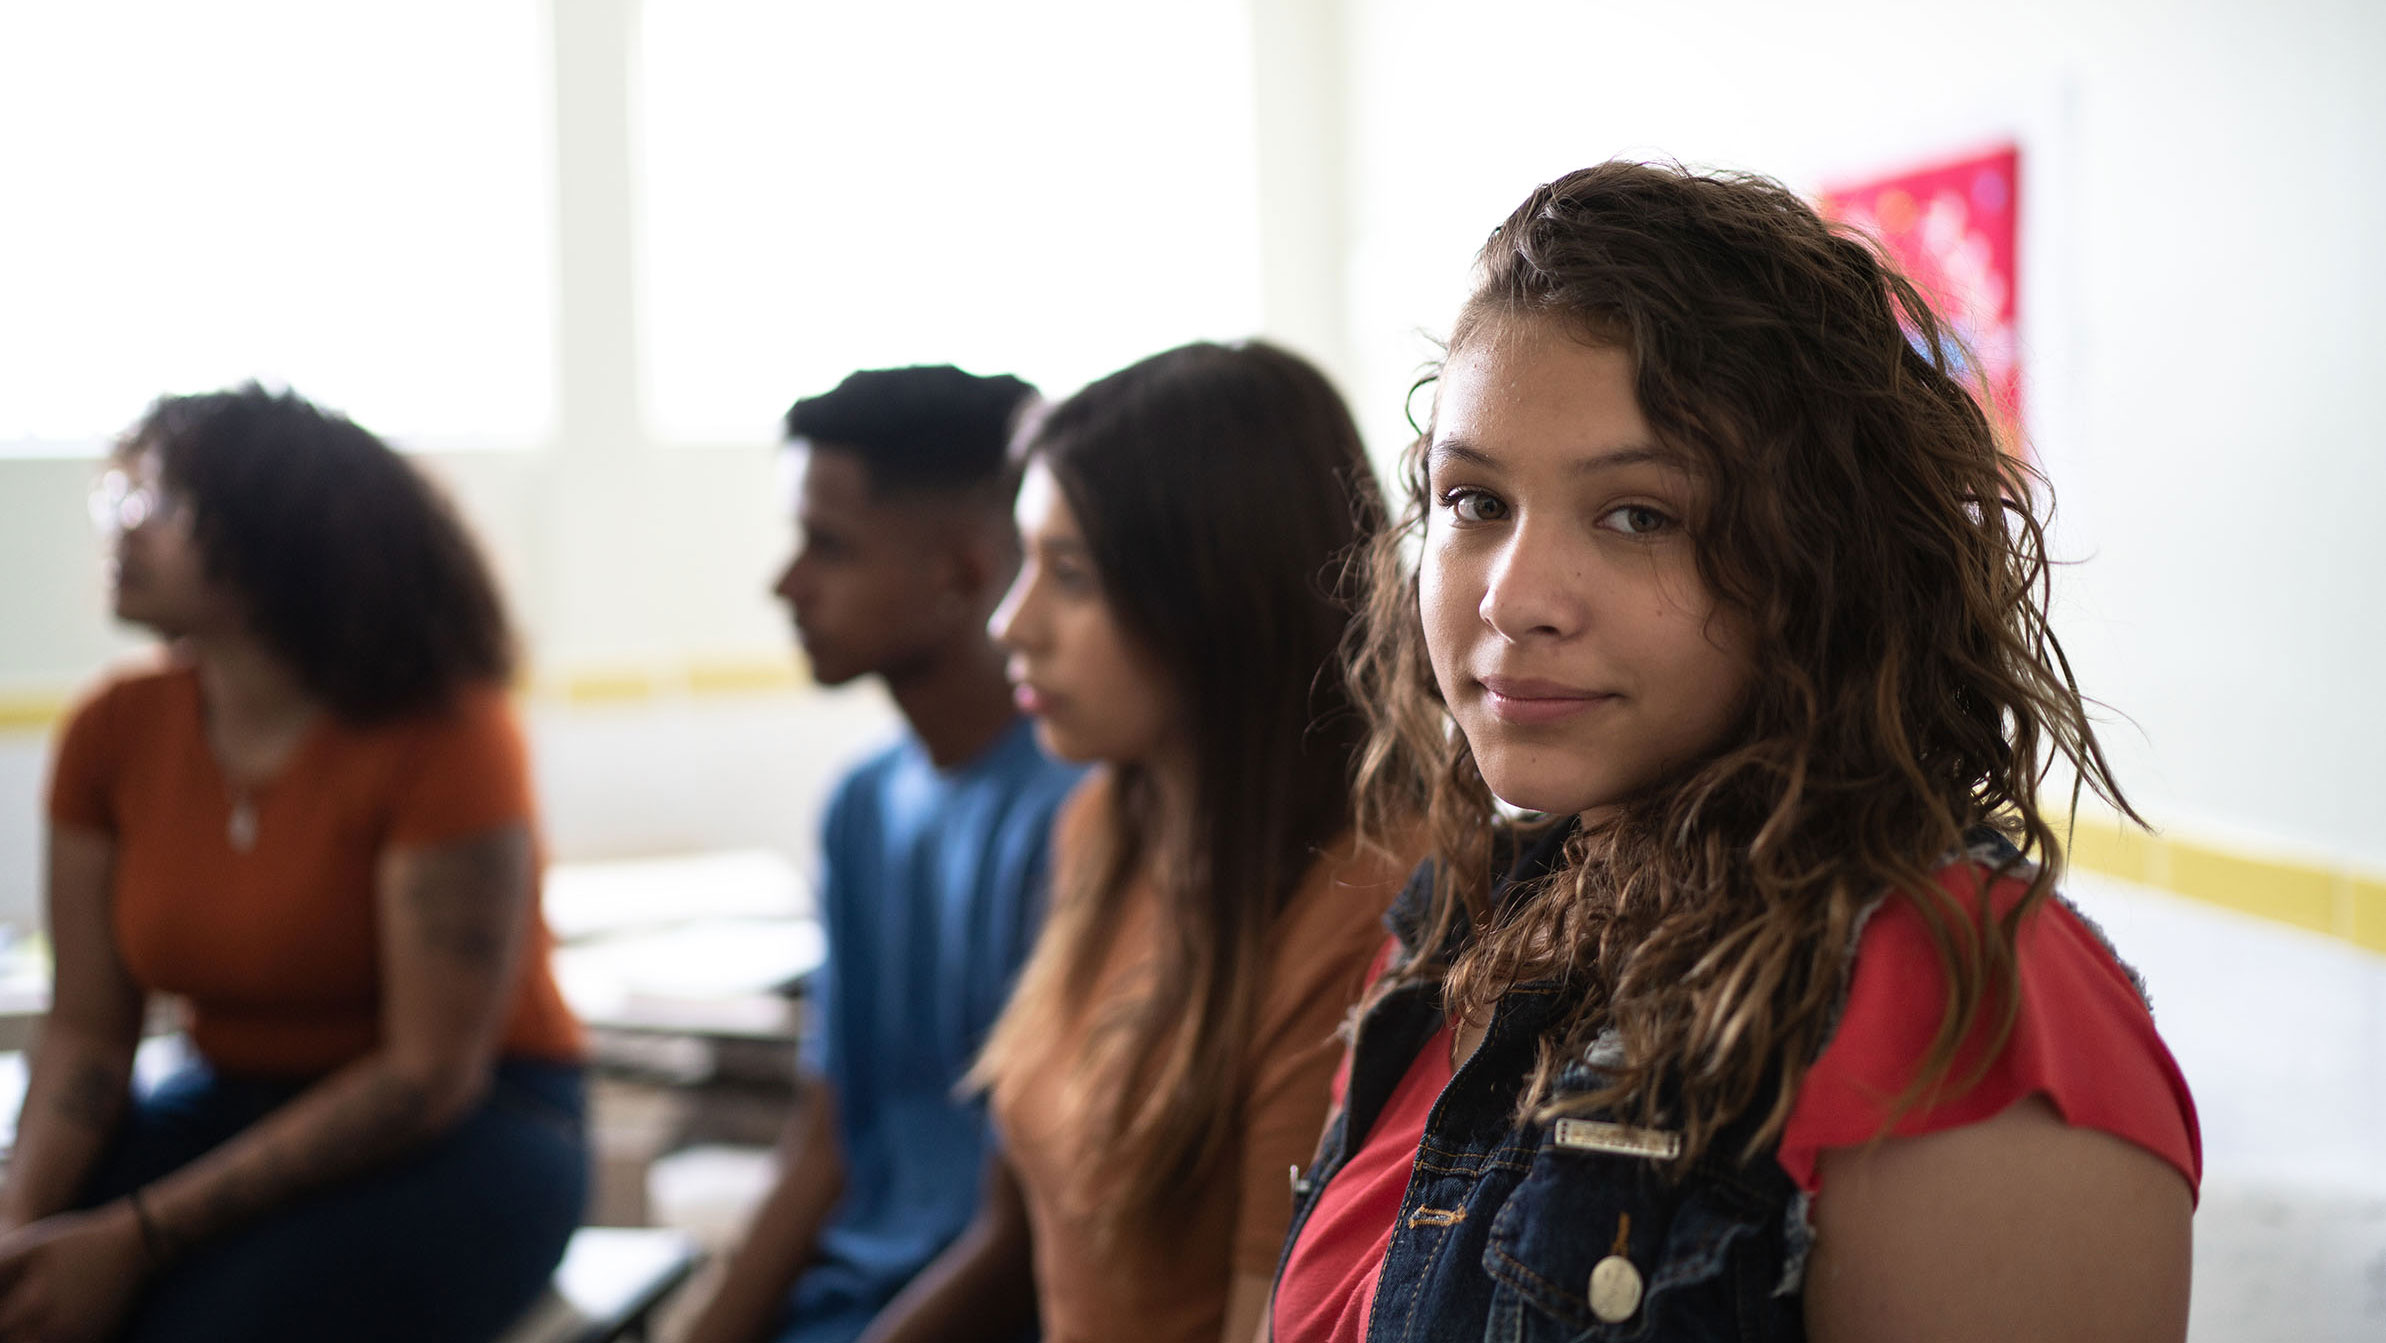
[121, 502]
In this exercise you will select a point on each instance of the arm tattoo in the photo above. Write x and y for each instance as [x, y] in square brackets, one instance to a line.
[469, 898]
[462, 905]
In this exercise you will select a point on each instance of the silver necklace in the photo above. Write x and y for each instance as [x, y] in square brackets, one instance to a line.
[241, 830]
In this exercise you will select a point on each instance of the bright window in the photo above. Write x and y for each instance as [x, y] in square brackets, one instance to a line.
[353, 200]
[1051, 188]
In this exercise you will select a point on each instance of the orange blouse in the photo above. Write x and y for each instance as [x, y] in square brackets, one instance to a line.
[277, 948]
[1090, 1290]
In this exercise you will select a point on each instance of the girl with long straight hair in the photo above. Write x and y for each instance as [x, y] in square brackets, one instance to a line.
[1168, 1054]
[1765, 1019]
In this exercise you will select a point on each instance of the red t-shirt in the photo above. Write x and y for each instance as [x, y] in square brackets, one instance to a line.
[2082, 1038]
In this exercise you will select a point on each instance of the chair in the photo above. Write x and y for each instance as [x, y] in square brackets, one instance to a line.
[611, 1282]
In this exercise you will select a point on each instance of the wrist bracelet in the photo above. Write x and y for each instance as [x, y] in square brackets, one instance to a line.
[152, 1238]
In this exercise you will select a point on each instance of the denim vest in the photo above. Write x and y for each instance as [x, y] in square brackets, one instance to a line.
[1504, 1223]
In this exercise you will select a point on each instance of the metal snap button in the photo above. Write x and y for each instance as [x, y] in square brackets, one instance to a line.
[1615, 1289]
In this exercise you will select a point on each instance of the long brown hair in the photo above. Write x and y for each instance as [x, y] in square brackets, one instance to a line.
[1889, 557]
[1222, 491]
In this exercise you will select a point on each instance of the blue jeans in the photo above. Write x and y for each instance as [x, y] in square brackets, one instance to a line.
[451, 1241]
[828, 1304]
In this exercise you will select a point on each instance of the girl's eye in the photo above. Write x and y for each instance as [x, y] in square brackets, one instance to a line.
[1475, 506]
[1635, 520]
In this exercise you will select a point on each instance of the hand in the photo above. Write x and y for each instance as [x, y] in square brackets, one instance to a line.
[71, 1278]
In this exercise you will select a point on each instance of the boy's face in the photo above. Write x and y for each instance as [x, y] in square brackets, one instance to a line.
[1570, 631]
[874, 585]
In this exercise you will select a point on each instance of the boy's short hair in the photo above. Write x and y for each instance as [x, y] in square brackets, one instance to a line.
[928, 429]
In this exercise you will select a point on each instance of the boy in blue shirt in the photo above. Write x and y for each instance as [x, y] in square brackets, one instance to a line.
[932, 852]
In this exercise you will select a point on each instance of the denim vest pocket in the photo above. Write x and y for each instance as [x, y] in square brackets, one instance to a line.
[1577, 1208]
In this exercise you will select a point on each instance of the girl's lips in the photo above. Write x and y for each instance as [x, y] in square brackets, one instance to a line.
[1029, 699]
[1530, 703]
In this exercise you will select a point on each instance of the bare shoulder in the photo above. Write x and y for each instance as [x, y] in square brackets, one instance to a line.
[2020, 1226]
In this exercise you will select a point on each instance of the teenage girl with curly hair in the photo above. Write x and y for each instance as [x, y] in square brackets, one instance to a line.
[310, 818]
[1755, 1014]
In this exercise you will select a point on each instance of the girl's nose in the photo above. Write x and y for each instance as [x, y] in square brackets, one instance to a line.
[1533, 590]
[1009, 625]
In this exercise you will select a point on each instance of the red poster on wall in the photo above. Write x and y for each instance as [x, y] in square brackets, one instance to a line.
[1952, 228]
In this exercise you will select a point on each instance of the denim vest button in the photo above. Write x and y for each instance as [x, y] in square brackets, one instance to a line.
[1615, 1289]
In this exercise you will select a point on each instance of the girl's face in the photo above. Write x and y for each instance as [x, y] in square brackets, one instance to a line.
[1571, 634]
[157, 574]
[1095, 695]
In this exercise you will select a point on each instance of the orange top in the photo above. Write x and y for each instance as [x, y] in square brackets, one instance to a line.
[277, 948]
[1088, 1290]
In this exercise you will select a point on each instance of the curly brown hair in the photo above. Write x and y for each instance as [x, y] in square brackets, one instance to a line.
[1888, 557]
[354, 566]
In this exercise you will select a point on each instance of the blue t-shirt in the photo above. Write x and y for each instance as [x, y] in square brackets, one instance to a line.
[933, 886]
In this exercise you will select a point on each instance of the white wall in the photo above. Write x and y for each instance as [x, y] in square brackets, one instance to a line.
[2202, 203]
[627, 558]
[2200, 288]
[620, 557]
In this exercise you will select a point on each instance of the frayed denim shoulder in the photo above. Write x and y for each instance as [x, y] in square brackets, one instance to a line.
[1797, 1239]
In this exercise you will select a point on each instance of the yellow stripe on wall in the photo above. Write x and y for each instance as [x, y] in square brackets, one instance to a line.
[40, 712]
[31, 713]
[617, 685]
[2333, 901]
[2368, 923]
[733, 678]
